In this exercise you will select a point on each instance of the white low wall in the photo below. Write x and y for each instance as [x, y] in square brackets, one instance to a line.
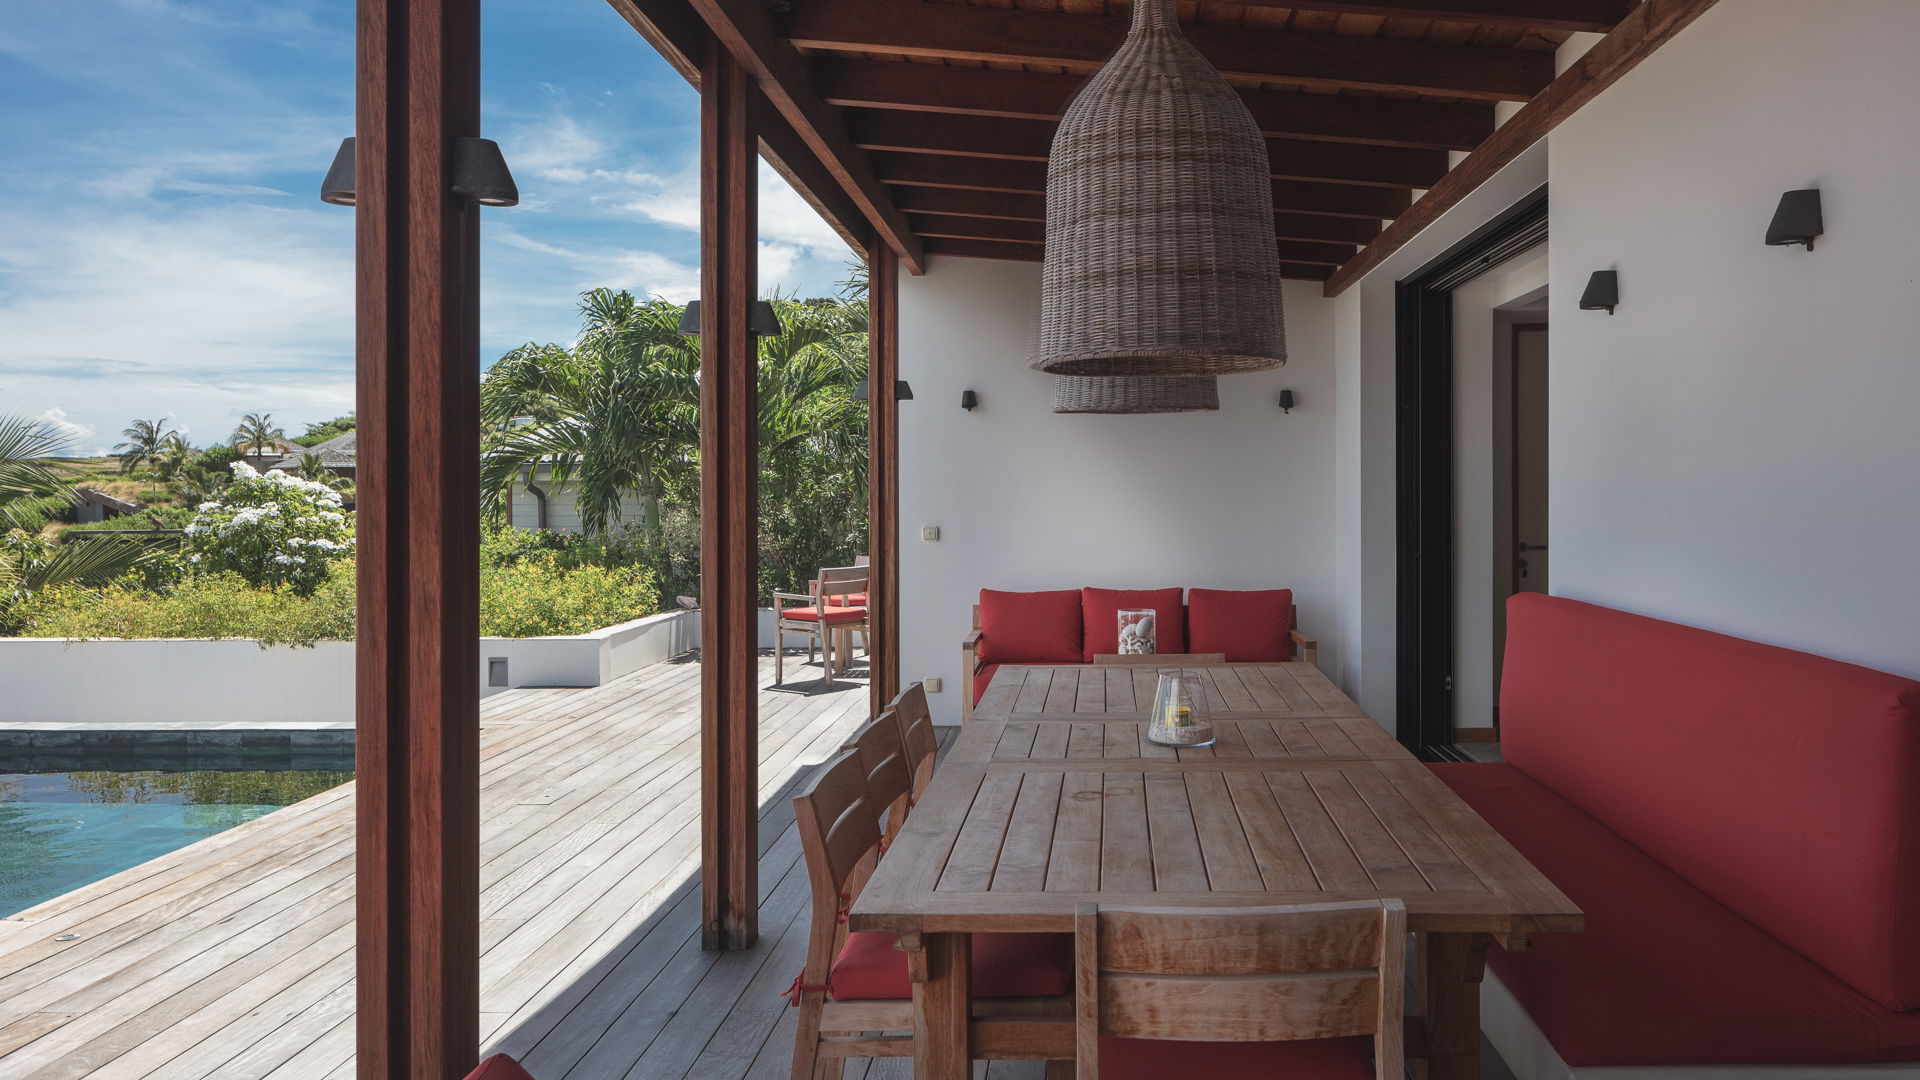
[191, 682]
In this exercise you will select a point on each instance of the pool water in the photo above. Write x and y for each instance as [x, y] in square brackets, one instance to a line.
[63, 826]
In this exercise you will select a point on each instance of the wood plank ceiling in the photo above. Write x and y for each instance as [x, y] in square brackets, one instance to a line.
[953, 103]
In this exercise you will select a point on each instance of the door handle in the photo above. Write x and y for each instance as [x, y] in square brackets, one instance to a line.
[1524, 546]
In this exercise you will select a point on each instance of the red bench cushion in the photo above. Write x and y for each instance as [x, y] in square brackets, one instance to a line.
[1784, 785]
[1249, 626]
[1004, 965]
[832, 614]
[1663, 974]
[1102, 609]
[1304, 1059]
[499, 1067]
[1030, 627]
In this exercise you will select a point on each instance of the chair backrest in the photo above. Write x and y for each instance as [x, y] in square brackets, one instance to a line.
[883, 755]
[835, 583]
[839, 831]
[917, 737]
[1161, 659]
[1267, 974]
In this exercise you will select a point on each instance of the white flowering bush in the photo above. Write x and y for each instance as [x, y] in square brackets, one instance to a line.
[272, 529]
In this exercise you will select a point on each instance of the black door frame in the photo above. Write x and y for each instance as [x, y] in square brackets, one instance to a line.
[1423, 471]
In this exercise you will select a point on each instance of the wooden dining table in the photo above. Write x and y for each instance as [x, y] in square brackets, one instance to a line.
[1052, 795]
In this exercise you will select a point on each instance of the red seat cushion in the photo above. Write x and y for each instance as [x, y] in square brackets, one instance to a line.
[1102, 609]
[499, 1067]
[1304, 1059]
[1004, 965]
[1784, 785]
[1663, 974]
[1250, 626]
[981, 680]
[833, 614]
[1030, 627]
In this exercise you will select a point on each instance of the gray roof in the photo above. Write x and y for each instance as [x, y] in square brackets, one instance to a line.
[341, 451]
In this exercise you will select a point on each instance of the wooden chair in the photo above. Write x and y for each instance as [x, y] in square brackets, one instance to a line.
[853, 992]
[1246, 992]
[827, 618]
[882, 753]
[917, 737]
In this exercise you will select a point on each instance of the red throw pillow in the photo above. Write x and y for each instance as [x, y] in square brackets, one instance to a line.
[1030, 627]
[1249, 626]
[1102, 612]
[499, 1067]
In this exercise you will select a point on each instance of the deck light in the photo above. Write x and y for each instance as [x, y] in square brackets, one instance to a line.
[761, 319]
[480, 172]
[337, 188]
[969, 400]
[1603, 291]
[1797, 219]
[901, 391]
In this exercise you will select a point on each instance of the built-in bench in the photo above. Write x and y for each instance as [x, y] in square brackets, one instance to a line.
[1073, 626]
[1741, 825]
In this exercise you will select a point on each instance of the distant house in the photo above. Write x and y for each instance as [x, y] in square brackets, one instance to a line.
[340, 454]
[266, 455]
[91, 505]
[540, 503]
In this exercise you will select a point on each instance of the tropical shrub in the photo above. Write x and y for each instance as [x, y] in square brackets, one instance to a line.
[211, 605]
[534, 597]
[271, 529]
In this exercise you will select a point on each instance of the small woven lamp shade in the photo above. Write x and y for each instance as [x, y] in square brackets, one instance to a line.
[1160, 254]
[1135, 394]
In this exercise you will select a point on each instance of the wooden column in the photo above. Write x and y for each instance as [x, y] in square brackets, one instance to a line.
[729, 518]
[417, 693]
[883, 471]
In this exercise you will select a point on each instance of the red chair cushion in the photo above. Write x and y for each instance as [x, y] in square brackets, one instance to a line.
[833, 614]
[1784, 785]
[1304, 1059]
[1663, 974]
[1030, 627]
[1250, 626]
[981, 680]
[1004, 965]
[499, 1067]
[1102, 609]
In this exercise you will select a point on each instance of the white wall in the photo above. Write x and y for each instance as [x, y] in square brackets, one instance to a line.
[1737, 447]
[1026, 499]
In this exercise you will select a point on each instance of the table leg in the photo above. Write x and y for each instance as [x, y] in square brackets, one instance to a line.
[1451, 967]
[941, 1008]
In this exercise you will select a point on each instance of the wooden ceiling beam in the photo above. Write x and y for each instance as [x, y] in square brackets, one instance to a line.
[1022, 206]
[1596, 16]
[1083, 42]
[954, 227]
[1014, 252]
[1648, 27]
[1028, 177]
[1033, 95]
[1032, 140]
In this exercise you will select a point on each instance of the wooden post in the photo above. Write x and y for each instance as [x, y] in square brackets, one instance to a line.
[883, 472]
[729, 518]
[417, 687]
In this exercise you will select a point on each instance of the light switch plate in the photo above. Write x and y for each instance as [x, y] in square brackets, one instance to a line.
[930, 533]
[932, 684]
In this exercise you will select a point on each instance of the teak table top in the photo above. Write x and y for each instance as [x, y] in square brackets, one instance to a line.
[1039, 806]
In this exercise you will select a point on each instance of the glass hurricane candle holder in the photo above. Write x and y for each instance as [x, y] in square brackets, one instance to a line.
[1180, 715]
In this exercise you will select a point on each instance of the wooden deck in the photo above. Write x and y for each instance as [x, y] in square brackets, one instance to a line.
[232, 959]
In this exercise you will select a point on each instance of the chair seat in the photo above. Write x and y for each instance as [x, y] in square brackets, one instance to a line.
[499, 1067]
[1304, 1059]
[1004, 966]
[831, 614]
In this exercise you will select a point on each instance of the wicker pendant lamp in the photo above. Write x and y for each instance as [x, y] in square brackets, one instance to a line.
[1160, 255]
[1135, 394]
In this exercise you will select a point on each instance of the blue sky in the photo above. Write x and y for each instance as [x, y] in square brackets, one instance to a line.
[163, 250]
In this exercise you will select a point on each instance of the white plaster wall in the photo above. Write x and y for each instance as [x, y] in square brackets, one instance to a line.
[1026, 499]
[1737, 447]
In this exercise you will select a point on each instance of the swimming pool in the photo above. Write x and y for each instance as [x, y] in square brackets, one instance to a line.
[81, 816]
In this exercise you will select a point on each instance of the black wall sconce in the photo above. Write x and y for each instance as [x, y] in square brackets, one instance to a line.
[1603, 291]
[969, 400]
[761, 320]
[479, 172]
[1286, 401]
[1797, 219]
[901, 391]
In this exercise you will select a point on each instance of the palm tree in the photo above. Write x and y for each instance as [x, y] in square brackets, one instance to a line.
[257, 434]
[35, 466]
[146, 441]
[174, 456]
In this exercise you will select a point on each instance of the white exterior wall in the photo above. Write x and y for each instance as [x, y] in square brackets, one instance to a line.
[1026, 499]
[563, 511]
[1737, 447]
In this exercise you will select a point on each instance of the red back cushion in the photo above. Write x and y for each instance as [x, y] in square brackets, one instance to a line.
[1249, 626]
[1102, 609]
[499, 1067]
[1785, 785]
[1030, 627]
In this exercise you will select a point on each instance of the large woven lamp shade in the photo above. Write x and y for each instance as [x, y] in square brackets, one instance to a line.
[1135, 394]
[1160, 253]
